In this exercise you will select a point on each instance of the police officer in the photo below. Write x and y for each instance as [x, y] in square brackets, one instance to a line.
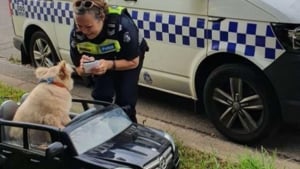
[108, 35]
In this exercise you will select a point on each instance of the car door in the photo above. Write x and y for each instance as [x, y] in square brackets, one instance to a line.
[9, 155]
[29, 152]
[35, 153]
[11, 151]
[175, 32]
[63, 23]
[35, 160]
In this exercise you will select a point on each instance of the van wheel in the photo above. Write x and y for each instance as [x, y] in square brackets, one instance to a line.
[240, 103]
[41, 50]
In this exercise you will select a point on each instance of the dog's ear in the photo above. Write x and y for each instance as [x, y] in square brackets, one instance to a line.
[62, 70]
[62, 63]
[41, 71]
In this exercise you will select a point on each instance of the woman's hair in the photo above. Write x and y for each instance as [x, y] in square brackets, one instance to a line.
[99, 8]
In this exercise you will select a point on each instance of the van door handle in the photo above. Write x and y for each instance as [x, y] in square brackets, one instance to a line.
[6, 152]
[215, 19]
[34, 160]
[2, 157]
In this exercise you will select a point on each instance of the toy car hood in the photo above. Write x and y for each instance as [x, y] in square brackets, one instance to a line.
[139, 145]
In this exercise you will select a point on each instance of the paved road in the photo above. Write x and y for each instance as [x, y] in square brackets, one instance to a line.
[6, 32]
[156, 105]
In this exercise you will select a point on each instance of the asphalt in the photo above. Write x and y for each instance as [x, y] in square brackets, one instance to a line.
[188, 137]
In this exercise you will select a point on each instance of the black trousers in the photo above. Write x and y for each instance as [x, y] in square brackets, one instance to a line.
[121, 84]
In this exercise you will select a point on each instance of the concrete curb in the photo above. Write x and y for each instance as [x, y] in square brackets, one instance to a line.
[204, 143]
[190, 138]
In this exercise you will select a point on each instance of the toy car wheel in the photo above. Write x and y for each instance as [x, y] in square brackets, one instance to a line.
[240, 103]
[41, 50]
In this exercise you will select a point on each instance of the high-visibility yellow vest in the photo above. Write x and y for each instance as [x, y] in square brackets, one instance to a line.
[115, 10]
[107, 46]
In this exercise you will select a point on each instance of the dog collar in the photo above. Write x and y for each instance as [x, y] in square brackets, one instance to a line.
[50, 80]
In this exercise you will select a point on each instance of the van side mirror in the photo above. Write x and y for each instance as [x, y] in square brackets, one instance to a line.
[54, 149]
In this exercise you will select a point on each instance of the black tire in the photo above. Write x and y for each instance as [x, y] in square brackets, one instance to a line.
[41, 51]
[241, 103]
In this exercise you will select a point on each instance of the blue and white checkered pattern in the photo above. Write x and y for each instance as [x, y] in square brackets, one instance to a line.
[232, 36]
[179, 29]
[49, 11]
[249, 39]
[243, 37]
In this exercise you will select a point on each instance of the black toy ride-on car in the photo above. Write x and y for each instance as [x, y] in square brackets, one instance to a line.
[97, 138]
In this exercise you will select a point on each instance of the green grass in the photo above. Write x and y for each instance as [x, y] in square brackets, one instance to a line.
[8, 92]
[189, 158]
[194, 159]
[262, 160]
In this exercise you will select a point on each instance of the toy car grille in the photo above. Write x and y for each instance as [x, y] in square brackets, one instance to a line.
[161, 162]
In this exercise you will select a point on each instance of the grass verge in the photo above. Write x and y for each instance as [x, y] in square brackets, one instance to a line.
[194, 159]
[8, 92]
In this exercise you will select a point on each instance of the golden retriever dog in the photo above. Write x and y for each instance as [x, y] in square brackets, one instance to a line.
[48, 103]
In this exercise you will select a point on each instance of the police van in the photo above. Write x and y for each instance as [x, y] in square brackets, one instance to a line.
[239, 59]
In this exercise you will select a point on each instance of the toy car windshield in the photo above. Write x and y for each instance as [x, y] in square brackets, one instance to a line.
[97, 130]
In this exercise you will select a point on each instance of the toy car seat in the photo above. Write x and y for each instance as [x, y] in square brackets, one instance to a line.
[24, 96]
[8, 109]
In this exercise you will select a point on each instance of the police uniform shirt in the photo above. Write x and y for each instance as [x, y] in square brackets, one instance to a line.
[126, 34]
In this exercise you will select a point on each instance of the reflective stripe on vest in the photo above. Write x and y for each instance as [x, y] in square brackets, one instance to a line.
[107, 46]
[115, 10]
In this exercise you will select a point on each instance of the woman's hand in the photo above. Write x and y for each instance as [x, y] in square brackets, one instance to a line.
[103, 66]
[80, 68]
[117, 65]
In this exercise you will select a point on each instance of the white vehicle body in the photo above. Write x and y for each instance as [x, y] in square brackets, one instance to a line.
[188, 39]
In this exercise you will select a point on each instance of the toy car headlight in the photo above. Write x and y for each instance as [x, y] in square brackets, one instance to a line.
[170, 138]
[288, 35]
[167, 136]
